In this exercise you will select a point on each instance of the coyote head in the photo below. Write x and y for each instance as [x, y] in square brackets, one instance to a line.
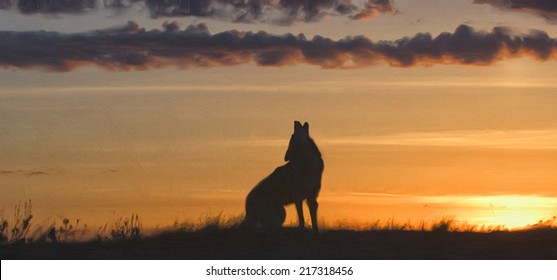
[301, 146]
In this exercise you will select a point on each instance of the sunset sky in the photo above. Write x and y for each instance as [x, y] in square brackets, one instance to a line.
[421, 109]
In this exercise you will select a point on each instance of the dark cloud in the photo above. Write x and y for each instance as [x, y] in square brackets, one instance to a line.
[545, 8]
[62, 6]
[5, 4]
[51, 6]
[35, 173]
[133, 48]
[271, 11]
[373, 8]
[316, 9]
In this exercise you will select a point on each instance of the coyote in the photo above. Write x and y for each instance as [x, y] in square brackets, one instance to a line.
[298, 180]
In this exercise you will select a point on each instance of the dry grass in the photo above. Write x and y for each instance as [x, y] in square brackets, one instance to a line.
[445, 224]
[547, 224]
[218, 237]
[62, 229]
[20, 225]
[123, 228]
[207, 221]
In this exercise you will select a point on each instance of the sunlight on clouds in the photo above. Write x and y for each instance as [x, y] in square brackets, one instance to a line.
[522, 139]
[535, 139]
[514, 201]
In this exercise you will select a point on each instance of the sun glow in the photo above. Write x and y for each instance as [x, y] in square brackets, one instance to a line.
[515, 211]
[477, 212]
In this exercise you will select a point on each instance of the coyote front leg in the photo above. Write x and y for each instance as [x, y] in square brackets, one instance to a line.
[300, 209]
[312, 204]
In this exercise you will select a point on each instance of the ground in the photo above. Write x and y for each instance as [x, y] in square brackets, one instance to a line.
[291, 243]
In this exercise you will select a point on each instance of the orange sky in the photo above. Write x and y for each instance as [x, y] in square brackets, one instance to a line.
[188, 149]
[411, 143]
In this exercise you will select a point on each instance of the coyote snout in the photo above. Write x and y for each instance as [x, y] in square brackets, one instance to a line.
[298, 180]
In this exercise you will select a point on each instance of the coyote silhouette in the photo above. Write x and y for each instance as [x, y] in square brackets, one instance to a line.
[298, 180]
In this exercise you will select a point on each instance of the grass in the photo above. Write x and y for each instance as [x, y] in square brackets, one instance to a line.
[121, 228]
[545, 224]
[124, 228]
[445, 224]
[219, 237]
[62, 229]
[20, 224]
[207, 221]
[215, 241]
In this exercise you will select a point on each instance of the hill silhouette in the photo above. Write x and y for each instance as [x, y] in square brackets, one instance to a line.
[290, 243]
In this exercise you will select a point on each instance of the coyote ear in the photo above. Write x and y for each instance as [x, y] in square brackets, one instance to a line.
[297, 126]
[306, 129]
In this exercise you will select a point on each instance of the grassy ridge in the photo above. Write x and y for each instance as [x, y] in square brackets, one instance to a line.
[289, 243]
[216, 237]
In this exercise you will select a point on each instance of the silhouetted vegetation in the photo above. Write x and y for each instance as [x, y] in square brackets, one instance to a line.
[220, 237]
[66, 232]
[547, 224]
[121, 228]
[20, 225]
[63, 230]
[294, 243]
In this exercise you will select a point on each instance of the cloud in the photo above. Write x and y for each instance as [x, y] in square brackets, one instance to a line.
[373, 8]
[49, 6]
[134, 48]
[545, 8]
[32, 172]
[270, 11]
[511, 139]
[35, 173]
